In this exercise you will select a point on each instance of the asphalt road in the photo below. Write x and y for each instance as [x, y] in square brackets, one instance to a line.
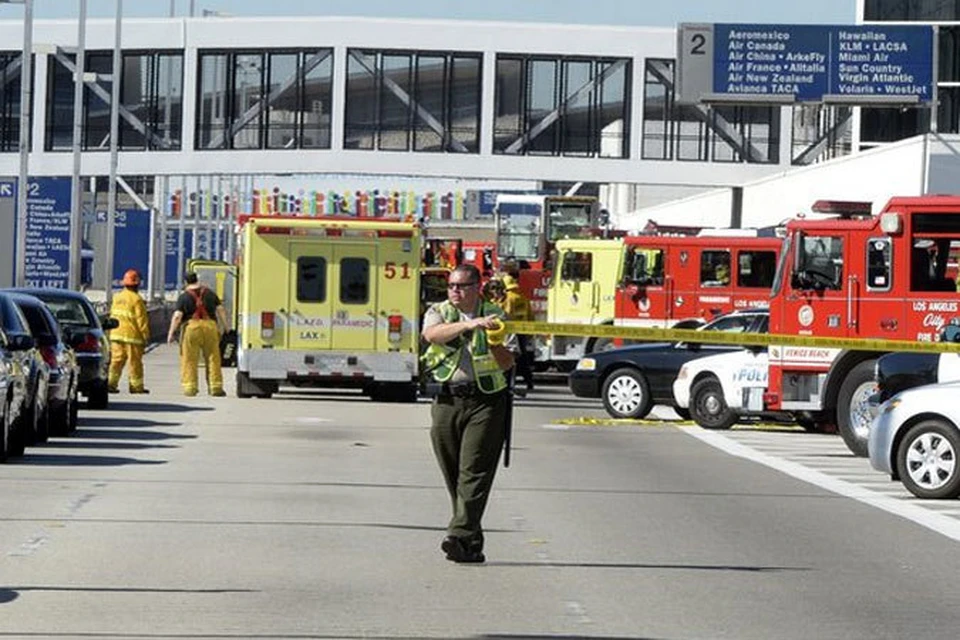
[320, 515]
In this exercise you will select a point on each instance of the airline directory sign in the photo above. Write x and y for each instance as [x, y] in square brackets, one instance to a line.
[859, 64]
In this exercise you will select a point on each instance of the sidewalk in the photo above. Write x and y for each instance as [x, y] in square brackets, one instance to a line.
[161, 373]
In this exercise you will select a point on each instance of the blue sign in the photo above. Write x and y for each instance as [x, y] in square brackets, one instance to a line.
[172, 254]
[811, 61]
[131, 241]
[48, 233]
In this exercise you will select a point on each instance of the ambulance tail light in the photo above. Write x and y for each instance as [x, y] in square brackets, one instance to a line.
[394, 328]
[268, 321]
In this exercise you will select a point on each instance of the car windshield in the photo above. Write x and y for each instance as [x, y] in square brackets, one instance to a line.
[39, 325]
[11, 319]
[69, 311]
[735, 324]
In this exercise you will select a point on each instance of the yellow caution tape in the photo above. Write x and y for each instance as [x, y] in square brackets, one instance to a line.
[723, 337]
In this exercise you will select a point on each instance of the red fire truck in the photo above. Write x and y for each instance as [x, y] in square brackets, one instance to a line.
[857, 275]
[657, 281]
[527, 230]
[692, 279]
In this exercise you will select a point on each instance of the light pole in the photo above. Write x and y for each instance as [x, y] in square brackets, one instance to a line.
[26, 86]
[116, 76]
[76, 205]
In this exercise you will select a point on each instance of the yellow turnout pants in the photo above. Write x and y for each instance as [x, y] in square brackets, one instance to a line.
[200, 336]
[120, 354]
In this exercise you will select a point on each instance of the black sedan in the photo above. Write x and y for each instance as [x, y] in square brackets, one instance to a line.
[630, 380]
[62, 390]
[14, 390]
[31, 424]
[86, 334]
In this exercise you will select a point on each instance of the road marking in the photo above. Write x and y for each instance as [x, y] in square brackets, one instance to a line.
[942, 524]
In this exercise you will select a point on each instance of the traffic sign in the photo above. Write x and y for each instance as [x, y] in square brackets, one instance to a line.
[863, 64]
[48, 232]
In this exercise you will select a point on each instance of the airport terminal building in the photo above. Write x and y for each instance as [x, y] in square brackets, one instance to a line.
[232, 105]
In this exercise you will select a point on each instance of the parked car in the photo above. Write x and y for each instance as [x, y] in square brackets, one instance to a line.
[630, 380]
[85, 332]
[899, 371]
[915, 438]
[62, 362]
[32, 421]
[13, 389]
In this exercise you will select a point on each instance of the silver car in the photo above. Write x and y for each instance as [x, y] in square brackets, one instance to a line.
[915, 438]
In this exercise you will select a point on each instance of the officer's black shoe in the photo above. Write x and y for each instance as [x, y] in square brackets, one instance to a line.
[458, 552]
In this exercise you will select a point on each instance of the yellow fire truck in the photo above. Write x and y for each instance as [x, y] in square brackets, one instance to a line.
[328, 302]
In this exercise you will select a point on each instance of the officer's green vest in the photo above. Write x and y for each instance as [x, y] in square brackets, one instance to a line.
[443, 359]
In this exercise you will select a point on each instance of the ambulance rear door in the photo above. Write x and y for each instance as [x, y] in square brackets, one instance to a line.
[309, 314]
[355, 303]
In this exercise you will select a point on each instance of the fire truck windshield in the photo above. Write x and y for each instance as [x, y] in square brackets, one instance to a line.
[781, 268]
[519, 232]
[568, 220]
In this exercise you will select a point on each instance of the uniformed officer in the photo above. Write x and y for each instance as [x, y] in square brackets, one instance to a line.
[130, 338]
[206, 318]
[467, 358]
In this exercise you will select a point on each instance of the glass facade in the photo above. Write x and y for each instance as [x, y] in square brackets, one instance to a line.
[562, 106]
[723, 133]
[413, 101]
[9, 101]
[890, 124]
[918, 10]
[151, 96]
[264, 99]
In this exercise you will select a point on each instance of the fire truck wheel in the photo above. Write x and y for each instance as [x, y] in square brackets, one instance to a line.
[853, 412]
[393, 392]
[250, 388]
[708, 407]
[927, 460]
[626, 394]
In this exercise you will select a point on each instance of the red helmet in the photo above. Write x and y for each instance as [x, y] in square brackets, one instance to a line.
[131, 278]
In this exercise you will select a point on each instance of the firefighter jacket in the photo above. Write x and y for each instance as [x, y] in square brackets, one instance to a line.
[442, 359]
[131, 312]
[517, 307]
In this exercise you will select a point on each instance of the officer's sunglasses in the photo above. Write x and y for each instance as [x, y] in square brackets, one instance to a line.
[460, 285]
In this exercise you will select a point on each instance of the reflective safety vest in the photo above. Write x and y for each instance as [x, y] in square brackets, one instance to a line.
[131, 312]
[443, 359]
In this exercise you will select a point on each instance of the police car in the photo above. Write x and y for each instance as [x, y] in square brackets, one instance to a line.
[717, 390]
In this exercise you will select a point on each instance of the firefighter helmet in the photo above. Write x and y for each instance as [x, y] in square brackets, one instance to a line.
[510, 283]
[131, 278]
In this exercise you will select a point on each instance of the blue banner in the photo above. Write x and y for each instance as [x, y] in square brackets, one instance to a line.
[131, 243]
[48, 233]
[811, 61]
[171, 255]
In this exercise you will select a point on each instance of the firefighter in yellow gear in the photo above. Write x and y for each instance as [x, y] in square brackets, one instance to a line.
[129, 339]
[205, 317]
[518, 308]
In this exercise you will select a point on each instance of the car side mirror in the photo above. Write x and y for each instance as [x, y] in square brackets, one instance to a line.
[109, 323]
[20, 342]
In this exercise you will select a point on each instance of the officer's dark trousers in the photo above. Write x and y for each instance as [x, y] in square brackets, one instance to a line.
[467, 435]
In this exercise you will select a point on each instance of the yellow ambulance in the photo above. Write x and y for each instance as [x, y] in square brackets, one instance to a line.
[328, 302]
[583, 291]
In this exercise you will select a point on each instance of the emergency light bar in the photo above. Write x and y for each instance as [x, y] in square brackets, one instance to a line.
[842, 207]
